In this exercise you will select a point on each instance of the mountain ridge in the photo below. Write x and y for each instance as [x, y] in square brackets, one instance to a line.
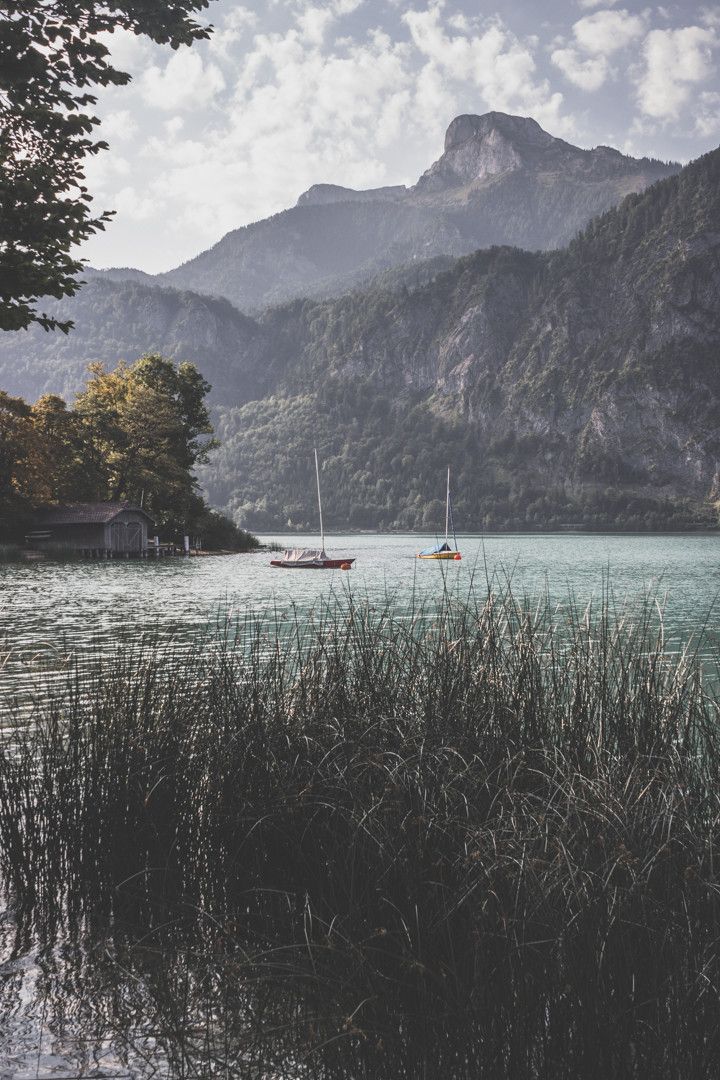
[577, 386]
[500, 179]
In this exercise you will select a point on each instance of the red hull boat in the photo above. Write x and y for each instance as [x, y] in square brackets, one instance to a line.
[312, 558]
[321, 562]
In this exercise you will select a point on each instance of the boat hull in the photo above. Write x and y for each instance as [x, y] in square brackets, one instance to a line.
[440, 555]
[316, 564]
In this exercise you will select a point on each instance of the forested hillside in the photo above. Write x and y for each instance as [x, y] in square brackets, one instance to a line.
[121, 320]
[576, 387]
[581, 387]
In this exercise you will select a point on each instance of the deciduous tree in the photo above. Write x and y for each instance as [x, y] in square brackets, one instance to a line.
[52, 54]
[147, 426]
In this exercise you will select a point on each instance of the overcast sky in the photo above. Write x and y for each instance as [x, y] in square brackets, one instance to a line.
[288, 93]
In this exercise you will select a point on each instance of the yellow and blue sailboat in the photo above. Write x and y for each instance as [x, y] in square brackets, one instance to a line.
[444, 551]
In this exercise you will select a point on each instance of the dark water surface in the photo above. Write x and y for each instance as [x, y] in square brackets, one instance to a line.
[54, 617]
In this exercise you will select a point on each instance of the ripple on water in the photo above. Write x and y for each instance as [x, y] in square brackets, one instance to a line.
[56, 616]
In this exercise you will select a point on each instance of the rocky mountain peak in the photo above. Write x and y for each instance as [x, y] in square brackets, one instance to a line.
[494, 127]
[478, 148]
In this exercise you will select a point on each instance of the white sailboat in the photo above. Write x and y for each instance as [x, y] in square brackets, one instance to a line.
[312, 558]
[444, 551]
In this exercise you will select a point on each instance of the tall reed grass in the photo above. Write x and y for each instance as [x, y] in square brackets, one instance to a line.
[479, 842]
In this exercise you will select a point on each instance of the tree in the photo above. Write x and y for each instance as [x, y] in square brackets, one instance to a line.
[146, 427]
[51, 54]
[65, 472]
[17, 465]
[135, 433]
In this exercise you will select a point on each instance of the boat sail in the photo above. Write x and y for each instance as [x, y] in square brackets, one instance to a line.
[444, 551]
[312, 558]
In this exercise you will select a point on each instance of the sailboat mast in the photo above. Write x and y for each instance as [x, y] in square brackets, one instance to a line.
[447, 507]
[317, 477]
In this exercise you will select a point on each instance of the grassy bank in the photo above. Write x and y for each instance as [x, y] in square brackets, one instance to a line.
[475, 843]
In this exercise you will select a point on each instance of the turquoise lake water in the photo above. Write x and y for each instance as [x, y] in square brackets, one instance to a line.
[53, 613]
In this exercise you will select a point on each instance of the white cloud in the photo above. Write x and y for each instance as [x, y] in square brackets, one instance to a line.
[589, 73]
[605, 32]
[174, 125]
[296, 115]
[674, 61]
[102, 172]
[710, 17]
[500, 66]
[134, 205]
[119, 125]
[707, 123]
[185, 82]
[587, 4]
[235, 25]
[128, 51]
[596, 36]
[313, 23]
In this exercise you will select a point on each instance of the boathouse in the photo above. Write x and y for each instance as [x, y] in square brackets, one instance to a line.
[102, 529]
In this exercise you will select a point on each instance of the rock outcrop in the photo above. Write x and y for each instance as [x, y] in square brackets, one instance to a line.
[500, 180]
[322, 194]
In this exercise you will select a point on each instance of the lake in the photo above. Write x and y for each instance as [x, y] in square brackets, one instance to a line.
[55, 612]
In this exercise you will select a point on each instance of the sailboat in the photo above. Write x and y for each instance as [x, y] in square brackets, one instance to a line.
[312, 558]
[444, 551]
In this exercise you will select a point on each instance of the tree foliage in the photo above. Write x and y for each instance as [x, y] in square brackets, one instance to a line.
[147, 426]
[135, 433]
[52, 53]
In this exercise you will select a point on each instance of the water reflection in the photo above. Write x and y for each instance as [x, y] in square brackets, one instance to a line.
[57, 616]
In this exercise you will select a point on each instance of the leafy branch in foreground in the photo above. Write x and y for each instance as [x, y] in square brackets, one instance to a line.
[52, 53]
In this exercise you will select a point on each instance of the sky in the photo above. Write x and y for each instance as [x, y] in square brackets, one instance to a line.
[289, 93]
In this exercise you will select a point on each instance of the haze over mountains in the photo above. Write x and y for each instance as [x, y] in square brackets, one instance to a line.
[500, 180]
[578, 386]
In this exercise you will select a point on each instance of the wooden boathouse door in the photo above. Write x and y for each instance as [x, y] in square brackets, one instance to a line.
[118, 537]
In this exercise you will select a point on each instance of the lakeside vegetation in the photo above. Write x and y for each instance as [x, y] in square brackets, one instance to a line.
[135, 433]
[480, 841]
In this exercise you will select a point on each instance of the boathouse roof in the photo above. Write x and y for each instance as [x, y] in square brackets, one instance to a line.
[95, 513]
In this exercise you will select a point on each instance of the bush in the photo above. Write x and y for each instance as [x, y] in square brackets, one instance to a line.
[219, 533]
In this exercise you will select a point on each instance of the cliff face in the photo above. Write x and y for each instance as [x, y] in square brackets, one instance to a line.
[480, 147]
[581, 386]
[500, 180]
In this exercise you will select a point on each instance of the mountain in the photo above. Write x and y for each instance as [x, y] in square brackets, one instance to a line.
[121, 320]
[576, 387]
[117, 319]
[500, 180]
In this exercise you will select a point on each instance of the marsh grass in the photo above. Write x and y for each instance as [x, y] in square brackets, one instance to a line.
[472, 841]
